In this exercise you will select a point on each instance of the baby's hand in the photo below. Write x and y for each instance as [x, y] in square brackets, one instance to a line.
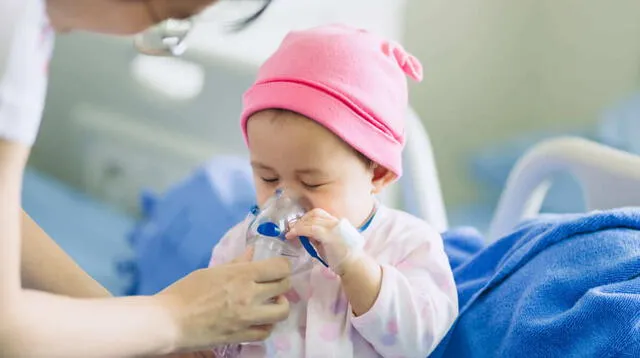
[336, 240]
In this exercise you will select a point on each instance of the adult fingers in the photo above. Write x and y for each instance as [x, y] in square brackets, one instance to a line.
[272, 312]
[275, 269]
[246, 256]
[267, 290]
[252, 334]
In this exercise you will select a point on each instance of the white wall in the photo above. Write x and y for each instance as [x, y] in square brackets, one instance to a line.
[499, 67]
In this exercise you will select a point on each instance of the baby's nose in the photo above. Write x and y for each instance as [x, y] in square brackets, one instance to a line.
[297, 195]
[305, 202]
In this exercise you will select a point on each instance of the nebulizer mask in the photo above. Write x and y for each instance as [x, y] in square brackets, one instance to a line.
[266, 233]
[269, 226]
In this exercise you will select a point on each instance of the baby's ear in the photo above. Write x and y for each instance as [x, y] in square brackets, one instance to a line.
[381, 178]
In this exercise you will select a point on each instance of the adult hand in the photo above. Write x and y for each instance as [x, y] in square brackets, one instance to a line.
[120, 17]
[228, 304]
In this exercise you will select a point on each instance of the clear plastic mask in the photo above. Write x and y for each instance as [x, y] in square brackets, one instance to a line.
[268, 229]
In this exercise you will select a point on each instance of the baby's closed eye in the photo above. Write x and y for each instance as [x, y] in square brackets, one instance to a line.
[313, 185]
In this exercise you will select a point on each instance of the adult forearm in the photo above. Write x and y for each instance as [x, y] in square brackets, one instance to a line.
[37, 324]
[46, 325]
[46, 267]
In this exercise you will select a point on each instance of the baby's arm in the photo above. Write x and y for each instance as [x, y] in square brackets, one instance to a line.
[361, 281]
[416, 303]
[403, 309]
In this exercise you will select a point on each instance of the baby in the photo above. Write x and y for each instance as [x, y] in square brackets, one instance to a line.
[325, 119]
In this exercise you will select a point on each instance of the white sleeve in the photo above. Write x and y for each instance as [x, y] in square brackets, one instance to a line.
[418, 302]
[26, 43]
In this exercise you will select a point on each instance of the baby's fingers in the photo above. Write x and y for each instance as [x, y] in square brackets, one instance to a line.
[308, 228]
[316, 223]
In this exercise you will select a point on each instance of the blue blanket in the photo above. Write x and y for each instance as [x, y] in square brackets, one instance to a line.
[557, 287]
[180, 227]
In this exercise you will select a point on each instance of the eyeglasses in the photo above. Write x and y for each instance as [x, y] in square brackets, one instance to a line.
[164, 39]
[168, 38]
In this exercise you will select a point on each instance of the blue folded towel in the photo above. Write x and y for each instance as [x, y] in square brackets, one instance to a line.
[567, 286]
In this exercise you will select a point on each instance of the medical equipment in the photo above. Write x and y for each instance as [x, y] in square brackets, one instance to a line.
[211, 115]
[267, 231]
[267, 234]
[609, 178]
[420, 185]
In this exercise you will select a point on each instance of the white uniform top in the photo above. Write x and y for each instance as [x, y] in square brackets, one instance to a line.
[26, 44]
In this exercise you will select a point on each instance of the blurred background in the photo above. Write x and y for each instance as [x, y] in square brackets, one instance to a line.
[139, 158]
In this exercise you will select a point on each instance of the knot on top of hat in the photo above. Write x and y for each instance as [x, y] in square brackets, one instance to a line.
[407, 62]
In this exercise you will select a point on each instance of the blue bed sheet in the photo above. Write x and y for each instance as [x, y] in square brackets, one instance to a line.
[93, 233]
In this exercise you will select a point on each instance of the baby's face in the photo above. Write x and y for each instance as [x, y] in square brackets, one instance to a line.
[293, 152]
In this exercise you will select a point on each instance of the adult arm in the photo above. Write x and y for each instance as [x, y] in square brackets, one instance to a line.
[226, 304]
[46, 267]
[38, 324]
[208, 307]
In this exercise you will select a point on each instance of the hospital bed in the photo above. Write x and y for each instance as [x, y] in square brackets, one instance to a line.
[103, 239]
[151, 134]
[609, 178]
[97, 234]
[420, 191]
[73, 131]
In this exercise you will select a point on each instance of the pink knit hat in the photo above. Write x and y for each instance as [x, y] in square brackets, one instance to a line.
[348, 80]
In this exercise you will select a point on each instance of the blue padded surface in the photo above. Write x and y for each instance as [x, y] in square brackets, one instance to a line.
[93, 233]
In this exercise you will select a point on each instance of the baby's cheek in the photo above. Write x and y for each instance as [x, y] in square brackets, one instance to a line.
[357, 202]
[331, 202]
[319, 201]
[343, 201]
